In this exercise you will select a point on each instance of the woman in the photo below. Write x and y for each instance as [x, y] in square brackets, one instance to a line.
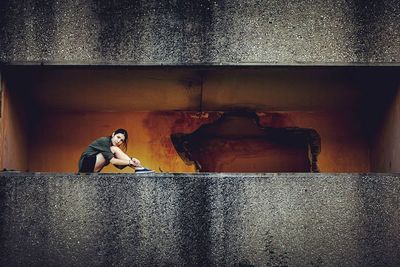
[107, 150]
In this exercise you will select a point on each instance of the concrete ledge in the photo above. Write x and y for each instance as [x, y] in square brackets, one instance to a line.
[200, 32]
[207, 219]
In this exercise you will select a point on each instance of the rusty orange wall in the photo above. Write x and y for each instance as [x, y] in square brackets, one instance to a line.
[2, 88]
[59, 138]
[344, 143]
[14, 137]
[386, 147]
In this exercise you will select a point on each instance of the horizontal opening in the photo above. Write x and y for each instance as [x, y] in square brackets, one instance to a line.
[212, 119]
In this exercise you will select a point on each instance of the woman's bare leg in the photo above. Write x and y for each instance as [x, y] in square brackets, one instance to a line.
[100, 162]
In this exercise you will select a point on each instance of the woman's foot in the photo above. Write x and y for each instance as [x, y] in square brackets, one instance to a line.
[143, 170]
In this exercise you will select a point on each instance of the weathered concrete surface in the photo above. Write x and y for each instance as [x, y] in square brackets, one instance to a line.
[214, 219]
[174, 32]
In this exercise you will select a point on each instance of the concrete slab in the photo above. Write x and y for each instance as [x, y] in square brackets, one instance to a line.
[201, 219]
[244, 32]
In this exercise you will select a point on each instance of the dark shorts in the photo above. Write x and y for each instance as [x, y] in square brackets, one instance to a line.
[88, 164]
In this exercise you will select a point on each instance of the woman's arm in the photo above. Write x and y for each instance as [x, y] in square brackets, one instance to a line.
[121, 162]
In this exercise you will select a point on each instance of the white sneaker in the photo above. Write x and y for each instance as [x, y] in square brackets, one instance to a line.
[143, 170]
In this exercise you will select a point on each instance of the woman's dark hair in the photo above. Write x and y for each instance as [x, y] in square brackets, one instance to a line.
[125, 133]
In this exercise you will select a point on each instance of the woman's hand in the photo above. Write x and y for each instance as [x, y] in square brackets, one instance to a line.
[135, 162]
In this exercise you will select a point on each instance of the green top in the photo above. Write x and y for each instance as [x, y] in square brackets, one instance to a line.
[101, 145]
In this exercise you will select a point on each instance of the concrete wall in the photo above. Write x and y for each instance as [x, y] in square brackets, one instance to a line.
[200, 32]
[14, 131]
[198, 88]
[199, 220]
[386, 146]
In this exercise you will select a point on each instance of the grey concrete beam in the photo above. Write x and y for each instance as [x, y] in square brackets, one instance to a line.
[203, 219]
[235, 32]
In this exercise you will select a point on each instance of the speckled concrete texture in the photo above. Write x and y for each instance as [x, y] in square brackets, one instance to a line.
[210, 219]
[199, 32]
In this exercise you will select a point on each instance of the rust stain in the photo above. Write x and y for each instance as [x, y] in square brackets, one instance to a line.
[237, 142]
[160, 126]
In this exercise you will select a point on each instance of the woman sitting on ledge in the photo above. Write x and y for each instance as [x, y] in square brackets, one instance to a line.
[107, 150]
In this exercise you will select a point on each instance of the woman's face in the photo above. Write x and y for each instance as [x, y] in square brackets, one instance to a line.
[117, 139]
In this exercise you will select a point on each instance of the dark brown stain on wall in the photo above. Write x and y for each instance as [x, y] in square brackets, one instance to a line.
[161, 124]
[237, 142]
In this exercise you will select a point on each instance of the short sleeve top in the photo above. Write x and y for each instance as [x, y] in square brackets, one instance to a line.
[101, 145]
